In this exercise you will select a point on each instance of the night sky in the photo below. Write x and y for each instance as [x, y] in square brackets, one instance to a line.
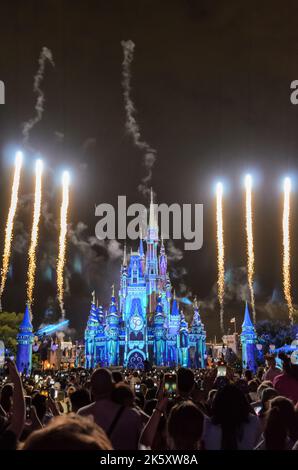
[211, 83]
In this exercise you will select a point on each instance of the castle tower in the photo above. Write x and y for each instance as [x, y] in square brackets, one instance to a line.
[163, 266]
[112, 332]
[24, 342]
[144, 322]
[151, 256]
[198, 335]
[183, 341]
[174, 317]
[248, 342]
[163, 278]
[101, 315]
[123, 283]
[159, 337]
[172, 334]
[100, 340]
[142, 252]
[90, 332]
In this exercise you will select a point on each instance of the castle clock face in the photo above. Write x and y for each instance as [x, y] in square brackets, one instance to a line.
[136, 323]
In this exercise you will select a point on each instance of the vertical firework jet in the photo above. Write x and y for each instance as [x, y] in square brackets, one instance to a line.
[34, 233]
[220, 253]
[286, 248]
[10, 223]
[250, 243]
[62, 239]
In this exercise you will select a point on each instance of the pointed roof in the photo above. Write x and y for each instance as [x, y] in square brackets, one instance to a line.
[93, 319]
[152, 215]
[151, 195]
[113, 318]
[196, 320]
[141, 246]
[124, 262]
[175, 306]
[159, 317]
[26, 325]
[162, 247]
[93, 312]
[162, 259]
[113, 306]
[247, 320]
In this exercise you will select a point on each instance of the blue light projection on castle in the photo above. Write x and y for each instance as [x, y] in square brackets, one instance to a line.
[248, 341]
[145, 322]
[25, 341]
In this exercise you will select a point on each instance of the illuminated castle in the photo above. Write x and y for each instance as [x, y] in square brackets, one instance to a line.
[145, 322]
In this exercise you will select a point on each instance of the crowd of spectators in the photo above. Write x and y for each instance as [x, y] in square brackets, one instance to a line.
[160, 409]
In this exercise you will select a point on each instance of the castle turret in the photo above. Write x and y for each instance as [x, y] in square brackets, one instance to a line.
[183, 341]
[123, 282]
[174, 317]
[163, 262]
[153, 224]
[248, 342]
[112, 332]
[90, 332]
[100, 339]
[142, 252]
[198, 335]
[151, 256]
[101, 315]
[163, 277]
[24, 342]
[168, 288]
[159, 338]
[124, 262]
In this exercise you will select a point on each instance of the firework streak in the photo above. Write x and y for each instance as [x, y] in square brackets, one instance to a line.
[250, 244]
[286, 248]
[220, 253]
[34, 233]
[10, 223]
[62, 240]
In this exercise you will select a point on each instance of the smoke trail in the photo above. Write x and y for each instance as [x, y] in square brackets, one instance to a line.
[62, 240]
[220, 254]
[45, 55]
[250, 244]
[286, 249]
[10, 223]
[131, 122]
[34, 233]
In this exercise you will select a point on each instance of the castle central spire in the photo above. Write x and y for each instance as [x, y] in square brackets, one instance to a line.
[152, 234]
[124, 262]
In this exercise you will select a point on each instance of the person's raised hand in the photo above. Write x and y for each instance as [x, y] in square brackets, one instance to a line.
[52, 405]
[162, 399]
